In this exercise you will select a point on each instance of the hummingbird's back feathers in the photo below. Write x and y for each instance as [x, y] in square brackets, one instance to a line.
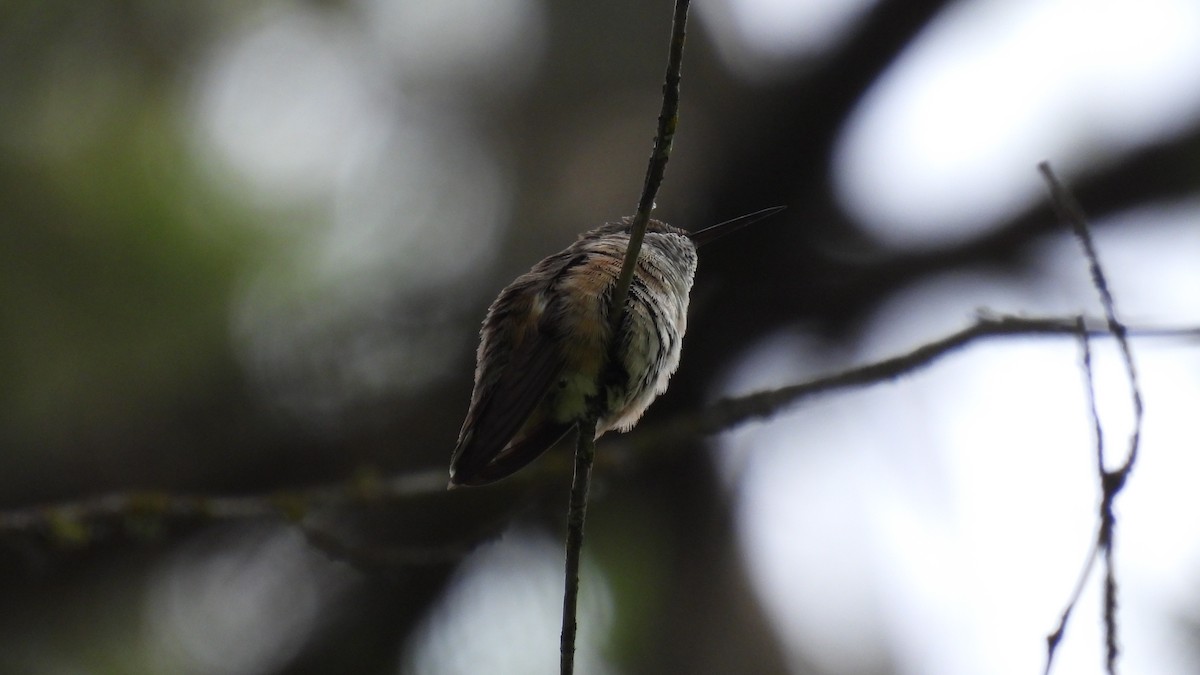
[509, 404]
[547, 357]
[518, 362]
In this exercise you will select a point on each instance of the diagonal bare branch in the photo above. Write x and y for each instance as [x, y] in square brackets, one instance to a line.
[74, 523]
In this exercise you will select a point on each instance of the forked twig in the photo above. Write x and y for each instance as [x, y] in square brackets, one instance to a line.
[1111, 482]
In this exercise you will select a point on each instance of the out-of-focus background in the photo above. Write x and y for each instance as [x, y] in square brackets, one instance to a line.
[246, 246]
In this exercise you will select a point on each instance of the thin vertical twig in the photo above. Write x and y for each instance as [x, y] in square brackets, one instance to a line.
[585, 453]
[585, 450]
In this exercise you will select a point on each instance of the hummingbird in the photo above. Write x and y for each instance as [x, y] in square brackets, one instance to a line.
[547, 356]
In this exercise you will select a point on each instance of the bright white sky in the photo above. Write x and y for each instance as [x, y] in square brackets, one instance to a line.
[947, 142]
[945, 515]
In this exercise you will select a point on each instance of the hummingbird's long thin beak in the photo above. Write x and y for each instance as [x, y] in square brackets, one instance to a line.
[719, 230]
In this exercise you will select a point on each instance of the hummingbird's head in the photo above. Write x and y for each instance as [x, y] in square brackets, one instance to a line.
[623, 227]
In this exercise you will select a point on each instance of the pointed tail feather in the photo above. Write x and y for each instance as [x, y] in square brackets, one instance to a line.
[489, 467]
